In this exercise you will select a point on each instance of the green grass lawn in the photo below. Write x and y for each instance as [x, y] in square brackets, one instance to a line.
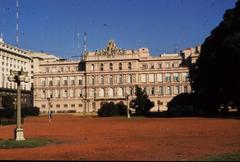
[223, 157]
[28, 143]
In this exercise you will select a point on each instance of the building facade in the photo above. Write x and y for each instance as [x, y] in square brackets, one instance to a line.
[108, 75]
[13, 58]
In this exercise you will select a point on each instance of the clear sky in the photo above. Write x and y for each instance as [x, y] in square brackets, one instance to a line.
[160, 25]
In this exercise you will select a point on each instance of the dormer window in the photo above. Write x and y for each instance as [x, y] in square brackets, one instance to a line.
[111, 66]
[129, 65]
[120, 66]
[101, 66]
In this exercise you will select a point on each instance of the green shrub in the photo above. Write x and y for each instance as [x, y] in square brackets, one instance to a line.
[30, 111]
[111, 109]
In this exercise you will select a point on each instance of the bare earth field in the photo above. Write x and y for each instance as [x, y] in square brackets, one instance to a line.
[148, 139]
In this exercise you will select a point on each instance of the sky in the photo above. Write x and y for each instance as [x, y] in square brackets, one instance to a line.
[58, 26]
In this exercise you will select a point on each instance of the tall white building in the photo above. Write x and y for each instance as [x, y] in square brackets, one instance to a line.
[13, 58]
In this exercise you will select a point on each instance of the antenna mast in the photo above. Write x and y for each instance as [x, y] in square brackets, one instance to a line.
[85, 43]
[17, 20]
[78, 46]
[175, 48]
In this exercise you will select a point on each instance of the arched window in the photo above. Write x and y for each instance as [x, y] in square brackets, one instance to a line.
[110, 92]
[101, 92]
[120, 91]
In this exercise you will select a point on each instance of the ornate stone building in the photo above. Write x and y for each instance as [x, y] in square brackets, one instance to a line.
[107, 75]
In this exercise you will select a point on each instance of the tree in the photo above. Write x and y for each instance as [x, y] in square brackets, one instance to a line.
[215, 73]
[8, 102]
[142, 104]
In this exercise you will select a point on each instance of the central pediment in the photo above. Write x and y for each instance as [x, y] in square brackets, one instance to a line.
[110, 50]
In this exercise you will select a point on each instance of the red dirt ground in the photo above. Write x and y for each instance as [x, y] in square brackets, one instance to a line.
[93, 138]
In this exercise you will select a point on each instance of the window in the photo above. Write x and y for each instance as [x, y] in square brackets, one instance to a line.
[80, 82]
[71, 93]
[57, 106]
[169, 91]
[129, 78]
[101, 67]
[185, 89]
[175, 64]
[144, 66]
[143, 78]
[110, 92]
[72, 105]
[43, 83]
[111, 66]
[50, 83]
[65, 82]
[176, 77]
[72, 80]
[120, 66]
[65, 105]
[43, 95]
[168, 77]
[120, 79]
[91, 91]
[119, 91]
[110, 79]
[57, 93]
[177, 90]
[168, 65]
[185, 76]
[92, 80]
[131, 91]
[101, 79]
[152, 66]
[159, 78]
[151, 77]
[92, 67]
[101, 92]
[153, 91]
[129, 65]
[65, 93]
[161, 90]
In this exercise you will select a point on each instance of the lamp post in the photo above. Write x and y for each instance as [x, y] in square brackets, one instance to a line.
[49, 110]
[159, 105]
[127, 97]
[18, 77]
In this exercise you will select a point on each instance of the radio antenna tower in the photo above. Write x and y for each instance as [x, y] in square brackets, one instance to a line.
[17, 21]
[85, 43]
[175, 48]
[77, 54]
[3, 23]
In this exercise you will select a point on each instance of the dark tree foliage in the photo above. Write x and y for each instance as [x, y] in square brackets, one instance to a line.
[110, 109]
[142, 104]
[185, 104]
[8, 102]
[216, 73]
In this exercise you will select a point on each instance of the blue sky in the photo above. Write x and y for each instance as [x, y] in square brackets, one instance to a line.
[160, 25]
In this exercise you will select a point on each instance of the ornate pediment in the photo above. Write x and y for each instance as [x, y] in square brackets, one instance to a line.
[110, 50]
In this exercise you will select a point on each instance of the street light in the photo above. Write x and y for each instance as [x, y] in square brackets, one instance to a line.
[127, 97]
[49, 111]
[18, 77]
[158, 104]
